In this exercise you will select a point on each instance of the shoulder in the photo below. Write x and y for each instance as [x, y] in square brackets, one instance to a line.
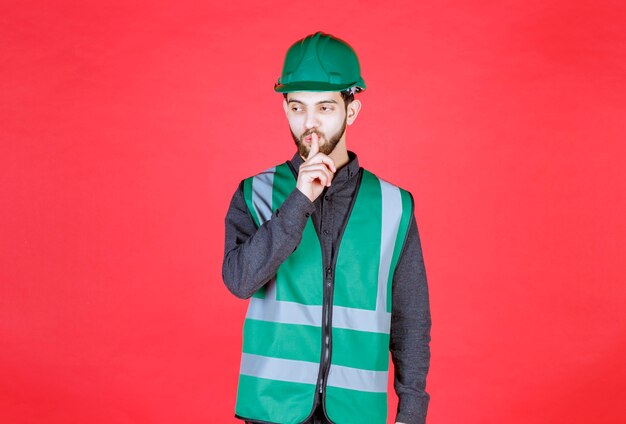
[265, 171]
[268, 172]
[389, 187]
[396, 202]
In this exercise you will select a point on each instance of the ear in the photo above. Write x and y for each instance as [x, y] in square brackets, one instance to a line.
[353, 110]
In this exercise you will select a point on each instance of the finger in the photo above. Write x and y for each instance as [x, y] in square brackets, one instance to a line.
[312, 171]
[321, 157]
[315, 147]
[330, 162]
[318, 166]
[316, 176]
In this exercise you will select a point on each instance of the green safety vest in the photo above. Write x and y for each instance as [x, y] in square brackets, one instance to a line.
[280, 371]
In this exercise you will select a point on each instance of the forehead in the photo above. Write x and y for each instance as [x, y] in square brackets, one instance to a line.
[314, 97]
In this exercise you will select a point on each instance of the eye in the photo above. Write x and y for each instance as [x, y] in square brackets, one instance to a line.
[326, 108]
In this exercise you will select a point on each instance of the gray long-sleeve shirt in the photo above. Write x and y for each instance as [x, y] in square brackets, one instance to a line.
[252, 257]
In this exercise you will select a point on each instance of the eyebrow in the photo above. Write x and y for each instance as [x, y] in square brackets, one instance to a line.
[318, 103]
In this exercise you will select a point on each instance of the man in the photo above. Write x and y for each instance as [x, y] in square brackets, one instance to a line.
[330, 257]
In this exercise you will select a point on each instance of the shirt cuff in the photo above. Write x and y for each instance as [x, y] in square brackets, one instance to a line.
[296, 209]
[412, 410]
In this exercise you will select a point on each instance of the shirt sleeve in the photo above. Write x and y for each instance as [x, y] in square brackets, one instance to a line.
[252, 255]
[410, 331]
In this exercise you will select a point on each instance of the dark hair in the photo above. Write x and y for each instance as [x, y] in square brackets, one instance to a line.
[346, 95]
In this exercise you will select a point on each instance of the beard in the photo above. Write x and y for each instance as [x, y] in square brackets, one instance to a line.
[326, 148]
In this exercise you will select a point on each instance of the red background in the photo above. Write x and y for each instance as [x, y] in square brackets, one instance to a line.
[125, 129]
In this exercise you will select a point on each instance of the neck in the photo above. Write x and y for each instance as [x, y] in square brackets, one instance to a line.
[340, 154]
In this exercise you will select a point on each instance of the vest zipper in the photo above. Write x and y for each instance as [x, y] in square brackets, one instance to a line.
[326, 328]
[328, 299]
[328, 294]
[325, 307]
[325, 313]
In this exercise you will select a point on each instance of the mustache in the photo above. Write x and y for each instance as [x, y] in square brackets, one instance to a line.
[308, 133]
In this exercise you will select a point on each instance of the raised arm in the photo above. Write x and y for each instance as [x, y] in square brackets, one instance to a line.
[252, 255]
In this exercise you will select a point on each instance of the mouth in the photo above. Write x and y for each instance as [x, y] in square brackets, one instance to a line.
[309, 138]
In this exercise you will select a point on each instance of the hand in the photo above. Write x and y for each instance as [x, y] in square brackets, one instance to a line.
[316, 172]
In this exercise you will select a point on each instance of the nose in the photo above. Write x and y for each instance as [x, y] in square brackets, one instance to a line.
[311, 121]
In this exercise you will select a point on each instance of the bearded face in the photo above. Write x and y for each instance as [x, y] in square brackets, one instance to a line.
[327, 145]
[322, 113]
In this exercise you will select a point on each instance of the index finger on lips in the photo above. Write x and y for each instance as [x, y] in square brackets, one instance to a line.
[315, 147]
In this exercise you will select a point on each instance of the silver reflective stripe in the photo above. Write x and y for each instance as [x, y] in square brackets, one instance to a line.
[279, 369]
[306, 372]
[270, 309]
[391, 214]
[361, 319]
[357, 379]
[262, 185]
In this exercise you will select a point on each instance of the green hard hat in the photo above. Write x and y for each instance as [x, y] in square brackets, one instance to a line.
[320, 62]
